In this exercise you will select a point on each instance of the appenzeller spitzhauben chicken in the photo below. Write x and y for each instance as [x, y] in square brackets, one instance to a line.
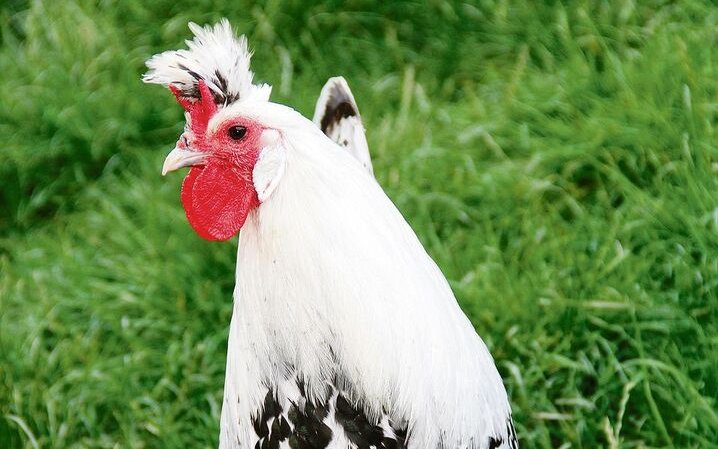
[345, 333]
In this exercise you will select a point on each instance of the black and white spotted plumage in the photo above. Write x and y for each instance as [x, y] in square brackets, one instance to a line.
[336, 422]
[341, 422]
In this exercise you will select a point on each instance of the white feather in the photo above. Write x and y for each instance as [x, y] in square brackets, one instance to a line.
[331, 280]
[214, 50]
[347, 132]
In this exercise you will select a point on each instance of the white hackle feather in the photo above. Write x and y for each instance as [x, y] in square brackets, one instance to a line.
[335, 291]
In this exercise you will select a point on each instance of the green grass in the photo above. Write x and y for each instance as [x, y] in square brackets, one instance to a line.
[559, 161]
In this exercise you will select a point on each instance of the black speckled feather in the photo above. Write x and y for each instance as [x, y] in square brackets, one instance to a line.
[306, 425]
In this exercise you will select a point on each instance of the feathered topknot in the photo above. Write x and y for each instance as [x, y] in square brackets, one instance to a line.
[215, 55]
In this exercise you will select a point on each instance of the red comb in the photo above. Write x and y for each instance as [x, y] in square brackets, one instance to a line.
[200, 111]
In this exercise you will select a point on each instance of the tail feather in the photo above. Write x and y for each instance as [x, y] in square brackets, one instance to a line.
[337, 114]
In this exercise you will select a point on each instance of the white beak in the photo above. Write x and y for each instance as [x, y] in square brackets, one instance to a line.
[179, 158]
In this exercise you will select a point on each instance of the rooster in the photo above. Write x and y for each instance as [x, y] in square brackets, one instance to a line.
[344, 333]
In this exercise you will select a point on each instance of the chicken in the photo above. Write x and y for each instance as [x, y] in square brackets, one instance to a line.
[344, 333]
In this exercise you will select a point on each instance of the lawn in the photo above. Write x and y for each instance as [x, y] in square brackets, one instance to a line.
[558, 160]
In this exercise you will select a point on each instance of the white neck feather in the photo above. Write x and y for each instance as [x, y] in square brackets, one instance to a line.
[333, 284]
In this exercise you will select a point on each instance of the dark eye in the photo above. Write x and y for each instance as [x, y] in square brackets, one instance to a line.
[236, 132]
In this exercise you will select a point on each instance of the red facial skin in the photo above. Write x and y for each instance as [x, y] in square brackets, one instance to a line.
[218, 196]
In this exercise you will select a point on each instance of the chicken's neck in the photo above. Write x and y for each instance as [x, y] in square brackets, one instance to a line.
[333, 291]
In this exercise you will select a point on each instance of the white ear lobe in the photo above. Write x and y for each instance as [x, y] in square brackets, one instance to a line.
[270, 165]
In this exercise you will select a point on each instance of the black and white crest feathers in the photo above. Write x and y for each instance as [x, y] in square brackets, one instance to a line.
[215, 55]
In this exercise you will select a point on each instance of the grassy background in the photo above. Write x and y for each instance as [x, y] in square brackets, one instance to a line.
[559, 161]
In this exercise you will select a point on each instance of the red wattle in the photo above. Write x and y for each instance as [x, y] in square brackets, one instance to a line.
[217, 201]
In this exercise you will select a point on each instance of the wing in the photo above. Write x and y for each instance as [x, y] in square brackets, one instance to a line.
[507, 440]
[289, 415]
[338, 117]
[337, 422]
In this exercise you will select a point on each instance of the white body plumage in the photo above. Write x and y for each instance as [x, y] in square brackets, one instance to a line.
[335, 290]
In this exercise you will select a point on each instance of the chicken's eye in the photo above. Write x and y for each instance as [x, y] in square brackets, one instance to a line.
[236, 132]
